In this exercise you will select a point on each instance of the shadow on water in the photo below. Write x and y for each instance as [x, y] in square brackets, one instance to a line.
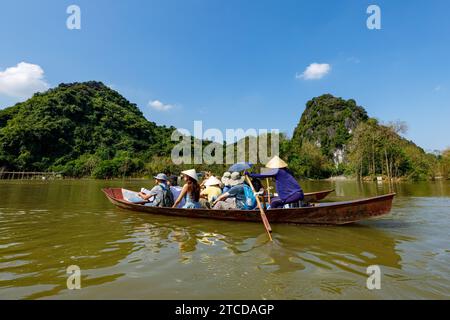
[297, 251]
[293, 247]
[351, 249]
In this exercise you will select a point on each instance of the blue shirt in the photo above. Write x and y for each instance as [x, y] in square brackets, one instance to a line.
[284, 181]
[238, 193]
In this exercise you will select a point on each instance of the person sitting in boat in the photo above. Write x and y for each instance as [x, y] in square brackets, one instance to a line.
[190, 190]
[257, 185]
[289, 191]
[234, 198]
[206, 176]
[160, 195]
[226, 181]
[175, 189]
[211, 192]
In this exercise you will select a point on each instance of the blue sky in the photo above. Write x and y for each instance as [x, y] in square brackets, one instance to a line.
[233, 64]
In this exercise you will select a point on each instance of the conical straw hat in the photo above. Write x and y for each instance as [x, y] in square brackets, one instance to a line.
[191, 173]
[276, 163]
[212, 181]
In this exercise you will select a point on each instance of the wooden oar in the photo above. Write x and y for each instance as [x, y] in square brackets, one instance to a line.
[261, 210]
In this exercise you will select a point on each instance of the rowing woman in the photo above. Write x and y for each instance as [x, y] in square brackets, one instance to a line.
[289, 191]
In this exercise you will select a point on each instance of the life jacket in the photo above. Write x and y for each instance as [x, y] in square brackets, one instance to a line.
[250, 200]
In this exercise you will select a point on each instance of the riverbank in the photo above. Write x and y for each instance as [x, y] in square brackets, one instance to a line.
[57, 176]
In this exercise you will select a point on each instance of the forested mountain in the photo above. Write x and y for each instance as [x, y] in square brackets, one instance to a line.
[336, 136]
[74, 127]
[328, 123]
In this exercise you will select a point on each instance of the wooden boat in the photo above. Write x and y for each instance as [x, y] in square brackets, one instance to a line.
[310, 197]
[316, 196]
[331, 213]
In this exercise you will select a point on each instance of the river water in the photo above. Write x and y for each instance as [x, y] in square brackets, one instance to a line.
[47, 226]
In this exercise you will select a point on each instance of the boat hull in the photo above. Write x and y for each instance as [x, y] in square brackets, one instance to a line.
[316, 196]
[333, 213]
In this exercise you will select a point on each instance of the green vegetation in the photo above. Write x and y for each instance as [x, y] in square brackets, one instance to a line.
[335, 136]
[444, 164]
[88, 130]
[379, 150]
[80, 129]
[308, 161]
[323, 132]
[328, 122]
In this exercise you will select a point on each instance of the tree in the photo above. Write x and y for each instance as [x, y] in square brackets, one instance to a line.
[445, 163]
[308, 162]
[377, 149]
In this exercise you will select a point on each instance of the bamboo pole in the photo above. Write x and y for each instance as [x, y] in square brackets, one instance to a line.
[261, 210]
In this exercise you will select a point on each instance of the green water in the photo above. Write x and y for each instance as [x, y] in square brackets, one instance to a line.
[47, 226]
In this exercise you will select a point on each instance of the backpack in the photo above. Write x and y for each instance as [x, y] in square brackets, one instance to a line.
[167, 199]
[250, 200]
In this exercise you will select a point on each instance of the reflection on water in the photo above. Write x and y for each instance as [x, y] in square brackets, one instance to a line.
[46, 227]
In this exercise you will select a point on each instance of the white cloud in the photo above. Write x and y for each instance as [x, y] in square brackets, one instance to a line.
[22, 80]
[438, 88]
[158, 105]
[314, 71]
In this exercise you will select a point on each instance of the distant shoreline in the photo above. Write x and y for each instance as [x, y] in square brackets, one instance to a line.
[330, 179]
